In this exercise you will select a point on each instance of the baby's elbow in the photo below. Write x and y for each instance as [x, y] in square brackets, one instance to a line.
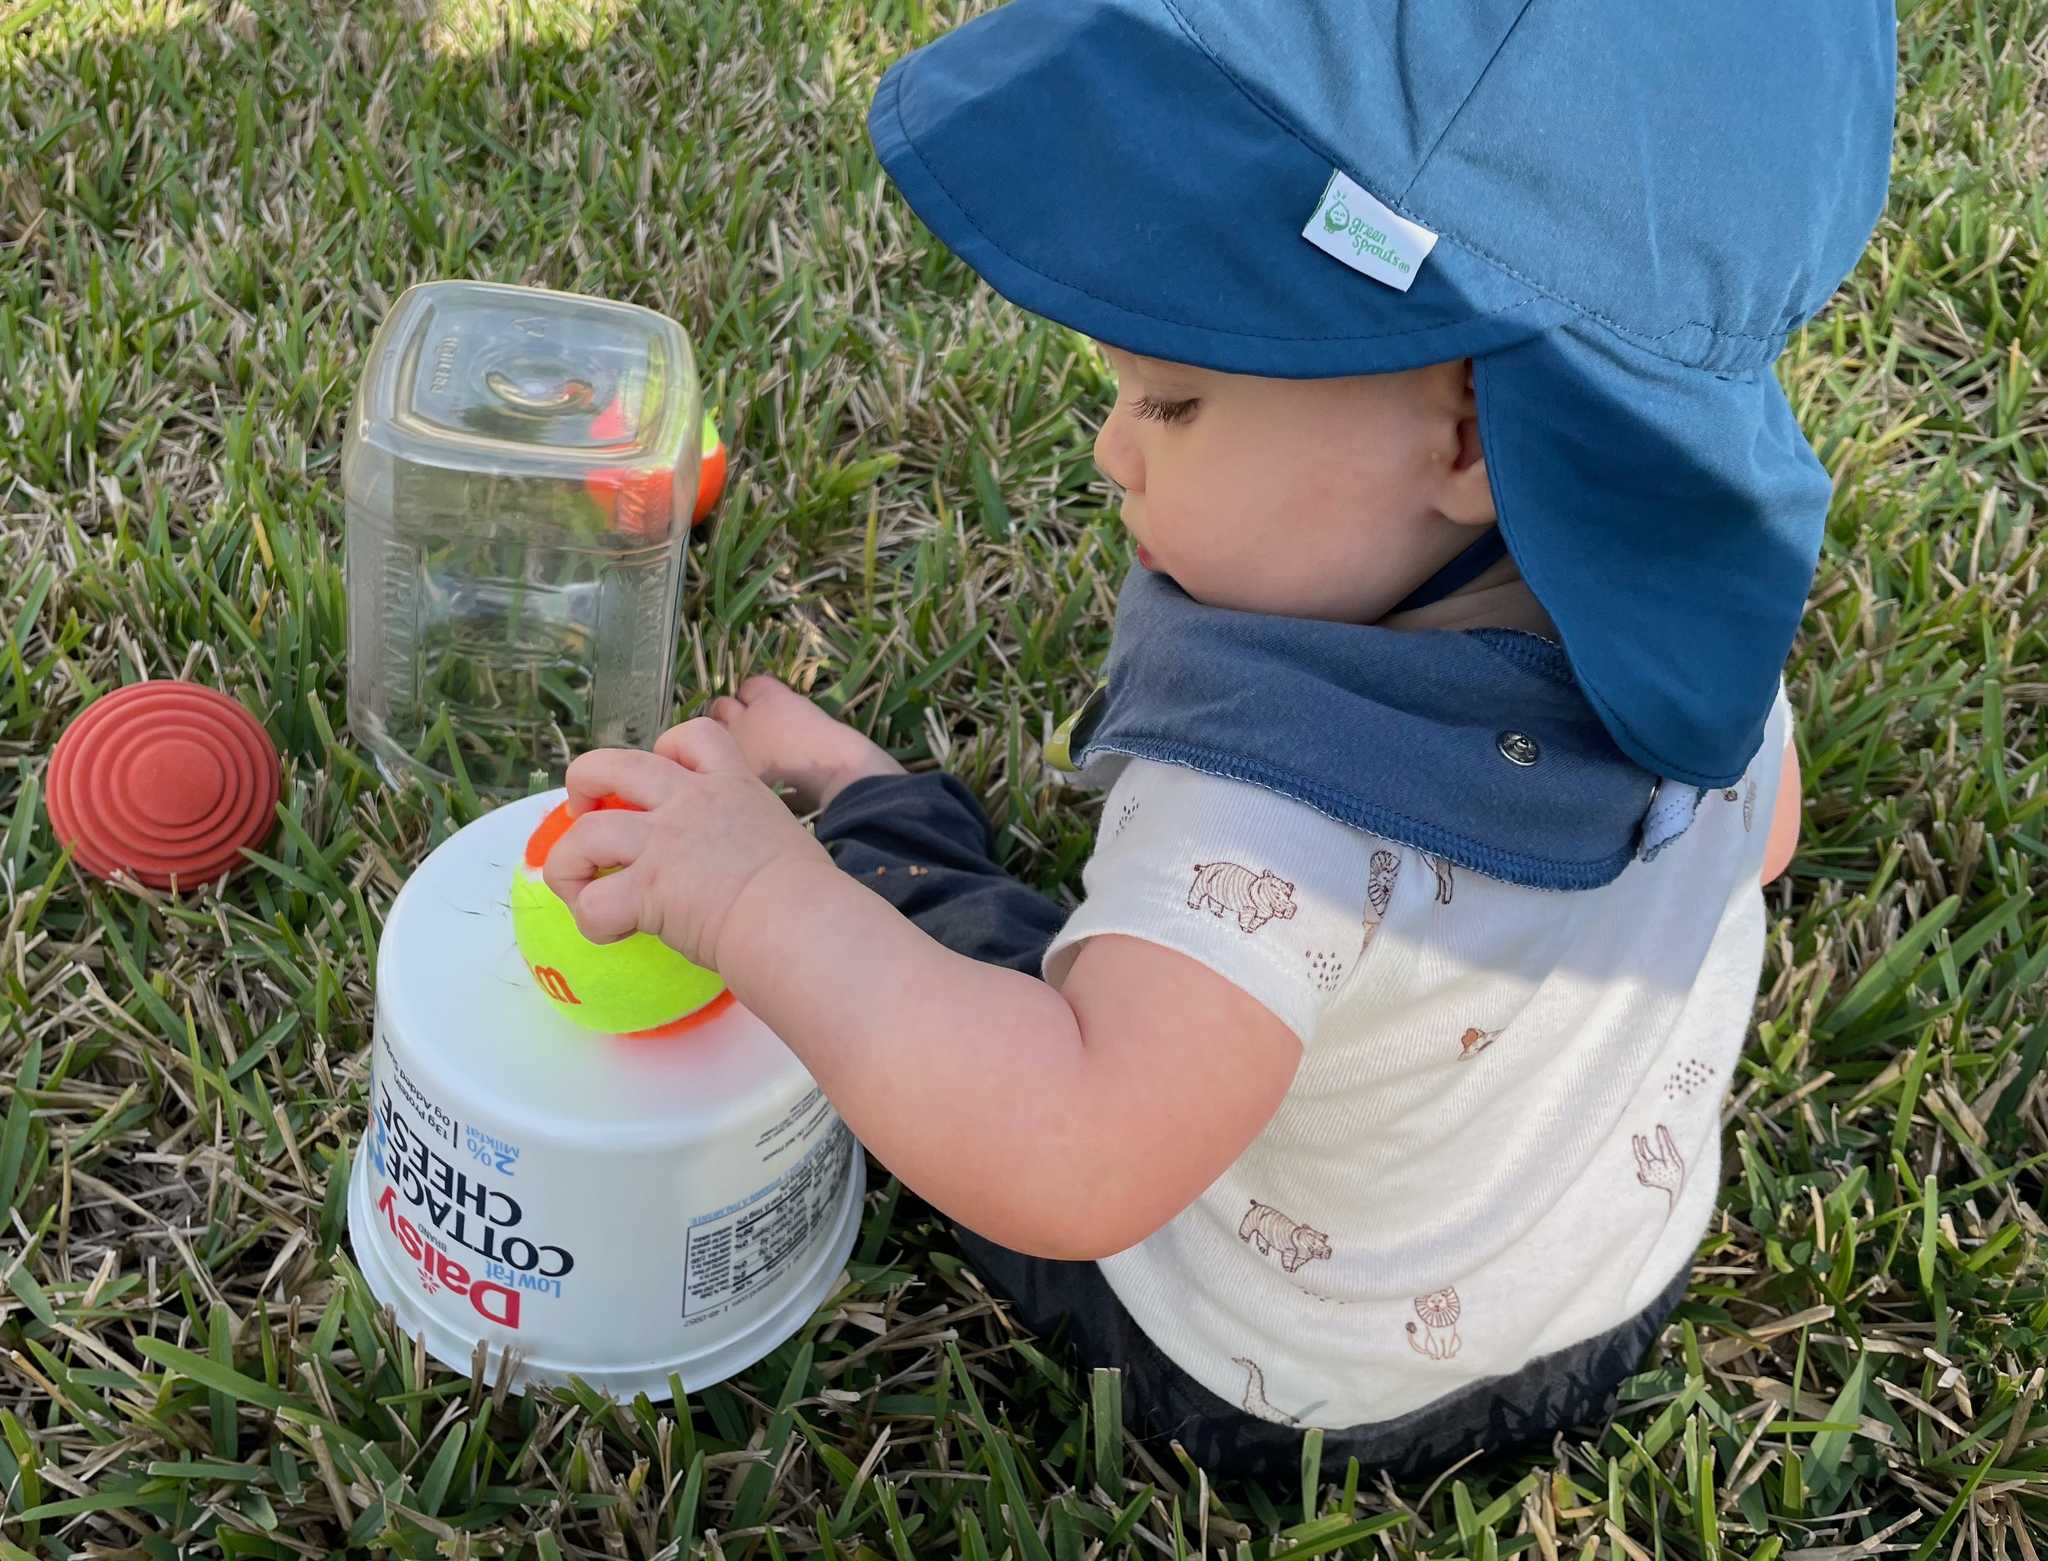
[1780, 854]
[1072, 1240]
[1784, 837]
[1065, 1251]
[1102, 1244]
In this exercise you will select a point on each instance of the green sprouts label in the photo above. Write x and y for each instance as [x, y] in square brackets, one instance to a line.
[1358, 230]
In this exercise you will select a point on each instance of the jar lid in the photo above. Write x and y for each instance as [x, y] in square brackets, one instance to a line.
[476, 365]
[165, 781]
[473, 389]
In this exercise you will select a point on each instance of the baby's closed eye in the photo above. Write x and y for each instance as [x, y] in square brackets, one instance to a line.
[1153, 409]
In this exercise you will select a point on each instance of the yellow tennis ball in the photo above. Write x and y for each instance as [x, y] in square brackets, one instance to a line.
[636, 984]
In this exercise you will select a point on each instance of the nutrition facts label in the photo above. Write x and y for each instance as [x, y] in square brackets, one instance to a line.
[736, 1251]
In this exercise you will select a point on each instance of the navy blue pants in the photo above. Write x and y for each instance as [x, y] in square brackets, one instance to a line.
[881, 828]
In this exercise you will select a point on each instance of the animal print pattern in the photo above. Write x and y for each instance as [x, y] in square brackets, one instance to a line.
[1325, 968]
[1573, 1387]
[1379, 894]
[1475, 1041]
[1661, 1169]
[1266, 1228]
[1445, 882]
[1688, 1076]
[1379, 881]
[1226, 888]
[1255, 1401]
[1437, 1338]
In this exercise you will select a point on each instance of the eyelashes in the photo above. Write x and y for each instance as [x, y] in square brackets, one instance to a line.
[1153, 410]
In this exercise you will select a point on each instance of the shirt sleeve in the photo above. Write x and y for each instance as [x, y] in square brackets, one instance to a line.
[1263, 890]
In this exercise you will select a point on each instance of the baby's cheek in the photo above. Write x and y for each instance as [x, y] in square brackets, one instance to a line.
[1250, 534]
[1203, 524]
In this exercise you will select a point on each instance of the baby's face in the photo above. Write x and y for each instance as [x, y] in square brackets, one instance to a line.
[1311, 498]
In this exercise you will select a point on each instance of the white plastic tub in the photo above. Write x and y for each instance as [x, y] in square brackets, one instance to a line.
[610, 1207]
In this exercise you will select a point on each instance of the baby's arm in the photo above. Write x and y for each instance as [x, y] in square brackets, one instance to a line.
[1784, 818]
[1069, 1122]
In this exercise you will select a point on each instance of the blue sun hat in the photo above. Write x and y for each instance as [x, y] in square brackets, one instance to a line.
[1617, 210]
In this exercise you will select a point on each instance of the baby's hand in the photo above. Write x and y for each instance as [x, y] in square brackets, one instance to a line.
[707, 830]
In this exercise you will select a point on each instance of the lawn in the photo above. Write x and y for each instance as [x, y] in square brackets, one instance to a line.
[204, 211]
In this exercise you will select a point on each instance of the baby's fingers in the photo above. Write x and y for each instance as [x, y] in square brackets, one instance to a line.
[609, 908]
[596, 845]
[632, 775]
[703, 745]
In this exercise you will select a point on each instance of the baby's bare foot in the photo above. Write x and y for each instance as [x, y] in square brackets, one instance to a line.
[791, 742]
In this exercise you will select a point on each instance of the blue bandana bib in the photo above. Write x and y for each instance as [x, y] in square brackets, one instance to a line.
[1475, 746]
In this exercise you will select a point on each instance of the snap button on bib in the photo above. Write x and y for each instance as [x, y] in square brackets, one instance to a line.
[1518, 748]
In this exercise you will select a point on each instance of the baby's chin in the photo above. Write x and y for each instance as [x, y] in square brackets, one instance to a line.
[1235, 587]
[1273, 603]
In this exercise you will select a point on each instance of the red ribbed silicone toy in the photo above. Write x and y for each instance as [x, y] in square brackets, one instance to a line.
[165, 781]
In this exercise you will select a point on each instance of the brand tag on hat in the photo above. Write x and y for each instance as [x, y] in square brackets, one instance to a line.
[1360, 231]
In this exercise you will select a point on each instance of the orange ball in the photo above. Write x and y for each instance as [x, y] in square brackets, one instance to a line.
[710, 472]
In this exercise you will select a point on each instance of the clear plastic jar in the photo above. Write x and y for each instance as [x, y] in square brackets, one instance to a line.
[519, 473]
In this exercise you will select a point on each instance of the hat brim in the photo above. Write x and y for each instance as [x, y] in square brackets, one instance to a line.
[1096, 166]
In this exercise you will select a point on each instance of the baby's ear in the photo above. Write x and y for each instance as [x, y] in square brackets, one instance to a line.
[1466, 492]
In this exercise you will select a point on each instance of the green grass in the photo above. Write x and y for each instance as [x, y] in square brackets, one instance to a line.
[204, 210]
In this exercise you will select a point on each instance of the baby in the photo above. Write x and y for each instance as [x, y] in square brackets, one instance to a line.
[1376, 1083]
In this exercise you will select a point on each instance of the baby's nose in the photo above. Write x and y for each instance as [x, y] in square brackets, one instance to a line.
[1116, 454]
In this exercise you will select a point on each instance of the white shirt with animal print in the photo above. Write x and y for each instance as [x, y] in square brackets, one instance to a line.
[1504, 1136]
